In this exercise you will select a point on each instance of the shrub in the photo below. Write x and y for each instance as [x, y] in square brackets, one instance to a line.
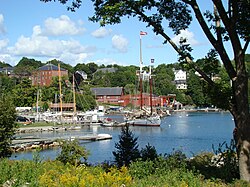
[72, 153]
[148, 153]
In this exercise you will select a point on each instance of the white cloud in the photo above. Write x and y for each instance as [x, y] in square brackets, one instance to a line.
[74, 59]
[61, 26]
[8, 59]
[2, 28]
[3, 44]
[187, 35]
[101, 32]
[41, 46]
[120, 43]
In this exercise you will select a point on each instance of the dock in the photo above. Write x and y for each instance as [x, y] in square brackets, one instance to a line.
[29, 143]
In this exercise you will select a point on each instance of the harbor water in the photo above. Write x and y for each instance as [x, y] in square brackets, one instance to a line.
[190, 132]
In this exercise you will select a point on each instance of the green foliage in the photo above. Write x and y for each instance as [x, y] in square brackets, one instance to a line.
[25, 66]
[210, 64]
[127, 148]
[163, 171]
[222, 165]
[72, 152]
[195, 90]
[24, 94]
[228, 161]
[3, 64]
[7, 125]
[85, 102]
[6, 84]
[148, 153]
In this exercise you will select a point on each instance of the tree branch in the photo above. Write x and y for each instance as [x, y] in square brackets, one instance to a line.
[246, 45]
[229, 24]
[160, 30]
[218, 45]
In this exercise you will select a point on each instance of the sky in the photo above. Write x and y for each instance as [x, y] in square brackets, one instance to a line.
[46, 31]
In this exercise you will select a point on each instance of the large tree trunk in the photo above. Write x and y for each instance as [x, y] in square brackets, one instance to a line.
[240, 111]
[242, 139]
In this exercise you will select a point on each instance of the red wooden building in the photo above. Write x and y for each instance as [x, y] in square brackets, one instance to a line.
[109, 95]
[157, 101]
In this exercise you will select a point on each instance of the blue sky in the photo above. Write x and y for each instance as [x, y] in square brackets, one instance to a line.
[46, 31]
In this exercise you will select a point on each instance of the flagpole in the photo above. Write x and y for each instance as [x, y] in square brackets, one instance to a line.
[140, 75]
[140, 55]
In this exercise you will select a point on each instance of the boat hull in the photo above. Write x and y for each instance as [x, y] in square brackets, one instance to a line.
[150, 122]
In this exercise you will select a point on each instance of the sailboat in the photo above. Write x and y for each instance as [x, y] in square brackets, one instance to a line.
[146, 118]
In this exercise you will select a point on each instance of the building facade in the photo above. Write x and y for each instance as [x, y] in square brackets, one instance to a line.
[109, 95]
[43, 75]
[180, 79]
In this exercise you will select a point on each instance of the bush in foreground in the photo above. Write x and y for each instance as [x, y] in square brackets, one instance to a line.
[169, 170]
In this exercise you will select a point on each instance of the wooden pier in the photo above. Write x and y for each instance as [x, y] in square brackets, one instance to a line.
[29, 143]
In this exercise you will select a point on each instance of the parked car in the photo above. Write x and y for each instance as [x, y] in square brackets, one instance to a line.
[23, 120]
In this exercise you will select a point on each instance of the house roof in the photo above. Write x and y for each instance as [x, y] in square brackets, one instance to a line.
[107, 70]
[107, 91]
[50, 67]
[82, 74]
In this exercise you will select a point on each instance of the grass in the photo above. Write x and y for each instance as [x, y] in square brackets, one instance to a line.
[38, 124]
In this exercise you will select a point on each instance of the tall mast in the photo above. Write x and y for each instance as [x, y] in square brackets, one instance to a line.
[141, 73]
[74, 94]
[60, 87]
[150, 86]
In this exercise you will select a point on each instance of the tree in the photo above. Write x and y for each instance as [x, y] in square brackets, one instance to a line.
[148, 153]
[24, 94]
[195, 89]
[229, 22]
[25, 66]
[72, 153]
[127, 148]
[7, 125]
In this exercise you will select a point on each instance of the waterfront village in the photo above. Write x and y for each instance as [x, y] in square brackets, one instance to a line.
[148, 109]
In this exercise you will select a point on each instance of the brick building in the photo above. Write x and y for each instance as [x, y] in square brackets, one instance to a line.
[43, 75]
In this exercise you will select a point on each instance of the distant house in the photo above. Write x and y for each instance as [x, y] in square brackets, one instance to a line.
[180, 79]
[82, 74]
[110, 95]
[43, 75]
[7, 70]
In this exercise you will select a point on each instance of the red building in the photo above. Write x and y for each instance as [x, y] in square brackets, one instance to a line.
[43, 75]
[115, 95]
[109, 95]
[136, 100]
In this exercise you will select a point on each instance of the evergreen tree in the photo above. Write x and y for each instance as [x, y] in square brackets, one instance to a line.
[7, 126]
[127, 148]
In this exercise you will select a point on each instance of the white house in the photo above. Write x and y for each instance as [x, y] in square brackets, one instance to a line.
[180, 79]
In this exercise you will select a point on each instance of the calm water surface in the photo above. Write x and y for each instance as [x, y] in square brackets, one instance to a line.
[190, 132]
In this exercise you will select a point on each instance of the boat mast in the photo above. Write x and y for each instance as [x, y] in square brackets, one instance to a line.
[74, 94]
[141, 73]
[150, 86]
[37, 105]
[60, 87]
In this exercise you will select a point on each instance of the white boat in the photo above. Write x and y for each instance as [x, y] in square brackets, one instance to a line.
[152, 121]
